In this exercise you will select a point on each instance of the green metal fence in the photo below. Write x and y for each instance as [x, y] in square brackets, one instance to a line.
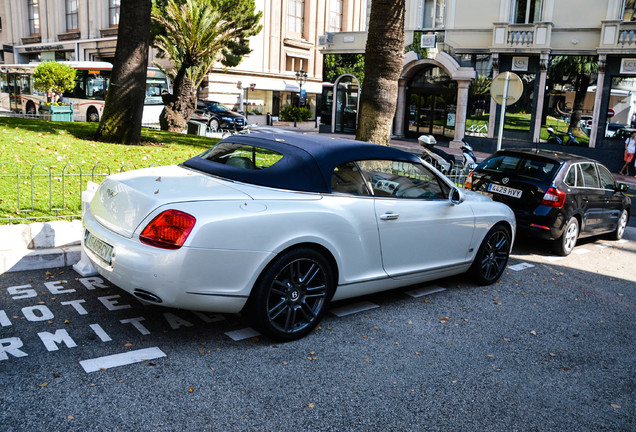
[41, 194]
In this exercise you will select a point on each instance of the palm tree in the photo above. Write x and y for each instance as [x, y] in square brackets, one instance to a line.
[384, 54]
[123, 109]
[576, 70]
[195, 35]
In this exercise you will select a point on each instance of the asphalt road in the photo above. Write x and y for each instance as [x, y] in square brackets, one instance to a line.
[549, 348]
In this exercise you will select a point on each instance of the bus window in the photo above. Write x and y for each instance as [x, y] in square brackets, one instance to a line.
[156, 84]
[96, 86]
[25, 87]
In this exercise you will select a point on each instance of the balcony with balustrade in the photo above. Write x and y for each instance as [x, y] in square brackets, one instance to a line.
[521, 37]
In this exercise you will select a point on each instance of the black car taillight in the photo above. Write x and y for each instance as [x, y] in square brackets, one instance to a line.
[169, 230]
[554, 198]
[469, 181]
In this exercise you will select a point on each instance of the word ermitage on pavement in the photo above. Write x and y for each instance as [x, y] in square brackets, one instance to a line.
[26, 306]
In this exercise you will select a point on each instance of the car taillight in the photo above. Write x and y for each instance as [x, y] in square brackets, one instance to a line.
[554, 198]
[169, 230]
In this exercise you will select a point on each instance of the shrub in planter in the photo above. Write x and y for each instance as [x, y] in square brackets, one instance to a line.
[293, 113]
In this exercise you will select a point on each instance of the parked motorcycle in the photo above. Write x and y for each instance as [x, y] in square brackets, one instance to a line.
[438, 158]
[553, 138]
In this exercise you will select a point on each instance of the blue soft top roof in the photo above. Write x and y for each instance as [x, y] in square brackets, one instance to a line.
[307, 164]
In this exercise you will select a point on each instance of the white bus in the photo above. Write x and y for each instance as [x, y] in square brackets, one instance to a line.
[91, 82]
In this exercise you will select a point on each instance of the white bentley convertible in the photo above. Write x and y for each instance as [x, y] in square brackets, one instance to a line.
[277, 226]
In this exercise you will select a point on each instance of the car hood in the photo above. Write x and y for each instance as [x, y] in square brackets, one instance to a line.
[124, 200]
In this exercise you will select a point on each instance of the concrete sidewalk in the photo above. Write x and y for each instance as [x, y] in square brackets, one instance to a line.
[44, 245]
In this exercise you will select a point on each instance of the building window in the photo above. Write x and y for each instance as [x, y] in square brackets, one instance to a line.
[628, 10]
[71, 15]
[113, 12]
[295, 16]
[34, 16]
[335, 16]
[525, 11]
[432, 13]
[294, 64]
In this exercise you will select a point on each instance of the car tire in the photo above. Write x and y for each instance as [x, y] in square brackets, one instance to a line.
[565, 244]
[291, 295]
[213, 125]
[617, 234]
[30, 108]
[92, 115]
[492, 257]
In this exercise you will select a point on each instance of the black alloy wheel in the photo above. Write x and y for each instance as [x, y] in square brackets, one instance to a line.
[492, 256]
[291, 296]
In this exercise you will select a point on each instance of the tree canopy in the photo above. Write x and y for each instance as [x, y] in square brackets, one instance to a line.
[53, 77]
[193, 35]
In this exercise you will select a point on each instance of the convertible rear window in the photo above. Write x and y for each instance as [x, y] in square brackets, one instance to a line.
[534, 169]
[242, 156]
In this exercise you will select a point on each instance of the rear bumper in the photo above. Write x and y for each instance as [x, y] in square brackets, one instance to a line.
[545, 223]
[208, 280]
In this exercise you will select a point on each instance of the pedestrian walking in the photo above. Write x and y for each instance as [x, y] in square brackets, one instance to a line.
[630, 149]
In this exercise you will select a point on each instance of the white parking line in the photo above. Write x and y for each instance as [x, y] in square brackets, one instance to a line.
[419, 292]
[521, 266]
[581, 251]
[246, 333]
[554, 258]
[353, 308]
[122, 359]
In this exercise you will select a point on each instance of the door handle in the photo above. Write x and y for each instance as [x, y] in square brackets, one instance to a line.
[389, 216]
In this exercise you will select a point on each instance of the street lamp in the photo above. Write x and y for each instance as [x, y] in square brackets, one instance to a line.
[301, 78]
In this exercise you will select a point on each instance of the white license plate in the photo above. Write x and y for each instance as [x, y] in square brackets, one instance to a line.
[99, 247]
[504, 190]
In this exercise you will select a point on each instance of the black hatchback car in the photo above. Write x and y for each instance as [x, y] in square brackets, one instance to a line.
[555, 196]
[218, 116]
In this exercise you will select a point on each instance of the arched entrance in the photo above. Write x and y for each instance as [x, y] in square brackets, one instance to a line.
[344, 113]
[427, 78]
[432, 102]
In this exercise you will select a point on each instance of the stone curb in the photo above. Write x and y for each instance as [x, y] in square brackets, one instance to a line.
[39, 245]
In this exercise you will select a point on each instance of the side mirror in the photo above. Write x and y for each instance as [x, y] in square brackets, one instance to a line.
[456, 196]
[622, 187]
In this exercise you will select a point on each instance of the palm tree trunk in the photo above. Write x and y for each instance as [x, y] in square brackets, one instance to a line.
[123, 110]
[178, 106]
[384, 54]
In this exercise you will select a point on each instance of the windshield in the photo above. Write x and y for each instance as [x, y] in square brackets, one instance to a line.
[517, 166]
[156, 84]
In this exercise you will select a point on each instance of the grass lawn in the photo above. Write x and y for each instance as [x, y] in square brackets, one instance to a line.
[54, 161]
[522, 122]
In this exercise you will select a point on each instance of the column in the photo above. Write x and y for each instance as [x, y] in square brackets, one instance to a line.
[598, 99]
[460, 113]
[543, 63]
[398, 123]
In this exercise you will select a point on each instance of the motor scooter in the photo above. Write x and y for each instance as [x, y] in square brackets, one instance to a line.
[553, 138]
[438, 158]
[470, 161]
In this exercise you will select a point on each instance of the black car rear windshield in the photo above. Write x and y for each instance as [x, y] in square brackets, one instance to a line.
[518, 166]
